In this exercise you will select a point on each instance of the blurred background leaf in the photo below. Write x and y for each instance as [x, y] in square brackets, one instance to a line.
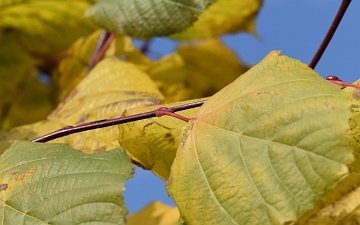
[145, 19]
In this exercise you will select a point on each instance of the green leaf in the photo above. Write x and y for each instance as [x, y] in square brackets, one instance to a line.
[223, 17]
[143, 19]
[152, 143]
[263, 150]
[55, 184]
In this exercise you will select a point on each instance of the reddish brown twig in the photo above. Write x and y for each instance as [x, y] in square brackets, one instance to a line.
[103, 49]
[339, 15]
[110, 122]
[166, 111]
[102, 39]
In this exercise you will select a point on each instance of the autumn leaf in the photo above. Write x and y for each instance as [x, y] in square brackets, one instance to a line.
[264, 149]
[354, 131]
[340, 206]
[156, 213]
[210, 66]
[171, 77]
[55, 184]
[144, 19]
[112, 87]
[39, 35]
[152, 143]
[74, 65]
[223, 17]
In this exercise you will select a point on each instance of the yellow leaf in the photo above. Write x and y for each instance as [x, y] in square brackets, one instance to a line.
[32, 104]
[210, 66]
[112, 87]
[222, 17]
[340, 206]
[28, 132]
[171, 77]
[152, 143]
[73, 66]
[15, 65]
[156, 213]
[45, 28]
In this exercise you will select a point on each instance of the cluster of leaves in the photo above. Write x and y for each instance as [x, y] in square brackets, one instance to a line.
[264, 149]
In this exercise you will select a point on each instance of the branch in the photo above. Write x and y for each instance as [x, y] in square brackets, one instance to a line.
[344, 5]
[110, 122]
[102, 39]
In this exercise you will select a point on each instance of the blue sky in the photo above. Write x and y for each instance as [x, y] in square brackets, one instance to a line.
[297, 28]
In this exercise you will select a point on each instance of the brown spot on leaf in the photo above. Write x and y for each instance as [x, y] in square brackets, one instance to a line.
[25, 174]
[3, 187]
[14, 173]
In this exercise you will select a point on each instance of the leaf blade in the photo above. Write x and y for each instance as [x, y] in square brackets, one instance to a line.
[260, 175]
[57, 184]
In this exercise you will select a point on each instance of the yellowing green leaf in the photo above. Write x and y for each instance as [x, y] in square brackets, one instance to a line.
[354, 132]
[156, 213]
[264, 149]
[45, 28]
[210, 66]
[152, 143]
[143, 19]
[55, 184]
[223, 17]
[340, 206]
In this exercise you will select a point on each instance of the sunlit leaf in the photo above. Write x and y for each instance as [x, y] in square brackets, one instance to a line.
[354, 132]
[73, 66]
[144, 19]
[152, 143]
[222, 17]
[210, 66]
[263, 150]
[112, 87]
[156, 213]
[340, 206]
[45, 28]
[55, 184]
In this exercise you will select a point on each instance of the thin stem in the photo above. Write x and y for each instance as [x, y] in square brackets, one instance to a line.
[103, 49]
[110, 122]
[342, 9]
[102, 39]
[166, 111]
